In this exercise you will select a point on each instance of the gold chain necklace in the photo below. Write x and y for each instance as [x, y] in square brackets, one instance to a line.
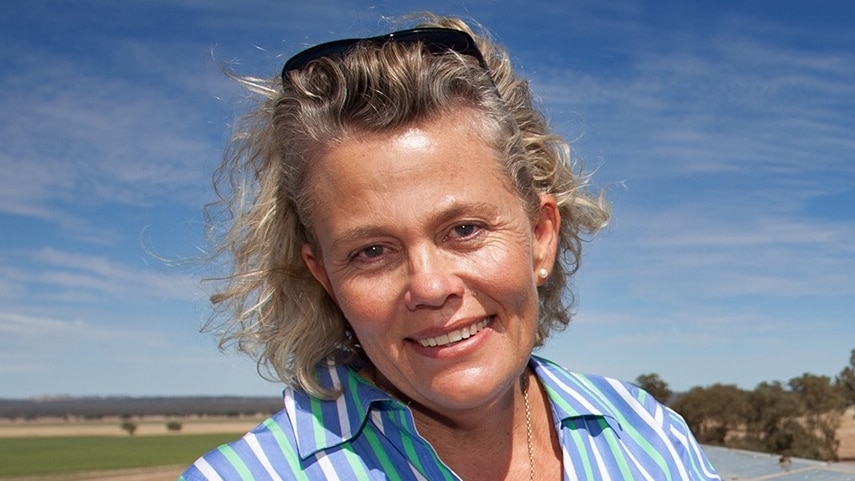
[528, 435]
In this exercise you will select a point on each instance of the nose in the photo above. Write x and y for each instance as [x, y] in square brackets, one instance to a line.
[433, 280]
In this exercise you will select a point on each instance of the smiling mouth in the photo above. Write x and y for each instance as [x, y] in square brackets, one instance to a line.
[454, 336]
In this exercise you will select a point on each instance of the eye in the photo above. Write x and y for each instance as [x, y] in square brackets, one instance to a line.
[465, 230]
[370, 252]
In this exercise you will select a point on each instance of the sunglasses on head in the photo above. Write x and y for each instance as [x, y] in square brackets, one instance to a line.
[435, 40]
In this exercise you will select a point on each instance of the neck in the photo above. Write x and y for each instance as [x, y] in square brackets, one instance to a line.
[491, 442]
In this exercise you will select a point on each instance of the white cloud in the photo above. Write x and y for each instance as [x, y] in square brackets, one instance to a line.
[680, 254]
[724, 140]
[22, 325]
[80, 136]
[729, 101]
[101, 275]
[50, 275]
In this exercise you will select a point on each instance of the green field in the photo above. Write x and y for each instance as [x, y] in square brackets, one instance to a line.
[52, 455]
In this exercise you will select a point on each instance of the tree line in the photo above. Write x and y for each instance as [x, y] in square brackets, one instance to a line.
[798, 418]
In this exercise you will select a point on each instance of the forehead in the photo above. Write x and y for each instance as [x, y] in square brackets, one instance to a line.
[440, 161]
[450, 143]
[459, 131]
[463, 119]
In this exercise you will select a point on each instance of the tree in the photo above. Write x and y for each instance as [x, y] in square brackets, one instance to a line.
[769, 425]
[130, 427]
[822, 406]
[800, 418]
[173, 426]
[846, 381]
[654, 385]
[713, 412]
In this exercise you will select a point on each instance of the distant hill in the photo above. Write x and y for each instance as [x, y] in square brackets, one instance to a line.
[97, 407]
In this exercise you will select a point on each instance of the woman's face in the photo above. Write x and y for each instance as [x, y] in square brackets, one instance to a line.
[433, 260]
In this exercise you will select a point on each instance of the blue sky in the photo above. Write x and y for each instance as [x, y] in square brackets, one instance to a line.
[724, 131]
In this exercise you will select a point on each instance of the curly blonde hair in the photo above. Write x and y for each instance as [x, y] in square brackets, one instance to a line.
[269, 305]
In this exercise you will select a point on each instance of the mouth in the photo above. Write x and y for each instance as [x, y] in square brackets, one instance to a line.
[454, 336]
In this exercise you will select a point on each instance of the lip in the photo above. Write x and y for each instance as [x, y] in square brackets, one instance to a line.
[452, 335]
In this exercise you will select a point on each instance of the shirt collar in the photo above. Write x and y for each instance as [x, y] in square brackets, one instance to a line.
[573, 395]
[324, 424]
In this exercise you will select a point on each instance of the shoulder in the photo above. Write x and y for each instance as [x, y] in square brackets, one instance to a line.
[271, 443]
[290, 439]
[644, 426]
[625, 404]
[591, 394]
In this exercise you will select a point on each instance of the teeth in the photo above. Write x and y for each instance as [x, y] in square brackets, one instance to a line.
[454, 336]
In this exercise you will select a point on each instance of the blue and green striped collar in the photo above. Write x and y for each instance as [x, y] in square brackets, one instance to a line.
[321, 424]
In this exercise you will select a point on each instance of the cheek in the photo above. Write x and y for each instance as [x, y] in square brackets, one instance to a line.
[366, 305]
[508, 279]
[508, 266]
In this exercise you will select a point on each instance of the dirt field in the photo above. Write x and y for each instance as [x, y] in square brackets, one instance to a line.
[166, 473]
[157, 426]
[846, 435]
[148, 426]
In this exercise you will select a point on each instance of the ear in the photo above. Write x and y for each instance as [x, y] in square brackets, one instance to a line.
[545, 239]
[316, 267]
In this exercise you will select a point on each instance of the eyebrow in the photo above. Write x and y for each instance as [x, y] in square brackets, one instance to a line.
[357, 233]
[484, 210]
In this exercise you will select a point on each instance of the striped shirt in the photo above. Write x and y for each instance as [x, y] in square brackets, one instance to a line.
[607, 429]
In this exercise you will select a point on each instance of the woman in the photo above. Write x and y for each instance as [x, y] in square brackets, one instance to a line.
[404, 244]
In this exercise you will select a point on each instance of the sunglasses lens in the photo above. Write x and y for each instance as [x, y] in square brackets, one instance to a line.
[436, 40]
